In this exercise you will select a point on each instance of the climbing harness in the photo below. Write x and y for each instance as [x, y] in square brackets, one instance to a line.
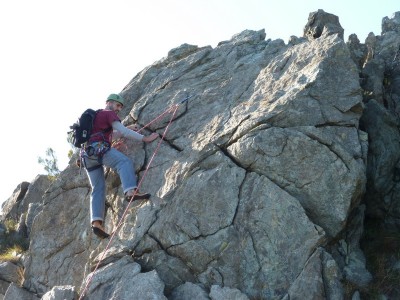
[92, 155]
[172, 110]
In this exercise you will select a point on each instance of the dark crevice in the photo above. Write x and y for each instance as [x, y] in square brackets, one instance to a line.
[257, 125]
[194, 168]
[156, 240]
[172, 145]
[195, 238]
[231, 157]
[255, 250]
[332, 124]
[236, 128]
[239, 197]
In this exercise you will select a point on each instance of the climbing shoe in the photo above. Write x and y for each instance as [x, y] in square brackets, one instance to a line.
[100, 233]
[137, 196]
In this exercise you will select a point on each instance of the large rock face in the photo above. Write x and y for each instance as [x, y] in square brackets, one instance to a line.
[254, 182]
[60, 241]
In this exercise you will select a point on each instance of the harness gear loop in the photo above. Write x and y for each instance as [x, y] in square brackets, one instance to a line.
[92, 155]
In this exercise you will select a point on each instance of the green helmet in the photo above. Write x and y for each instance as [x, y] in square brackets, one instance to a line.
[116, 97]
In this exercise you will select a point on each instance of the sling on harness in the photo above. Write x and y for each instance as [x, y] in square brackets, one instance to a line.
[92, 155]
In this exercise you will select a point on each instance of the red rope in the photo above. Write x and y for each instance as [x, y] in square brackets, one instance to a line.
[155, 119]
[175, 108]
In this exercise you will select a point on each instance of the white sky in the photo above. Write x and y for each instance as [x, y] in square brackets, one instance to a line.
[58, 58]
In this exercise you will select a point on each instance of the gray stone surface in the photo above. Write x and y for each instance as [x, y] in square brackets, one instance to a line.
[10, 272]
[189, 290]
[15, 292]
[225, 293]
[123, 280]
[61, 293]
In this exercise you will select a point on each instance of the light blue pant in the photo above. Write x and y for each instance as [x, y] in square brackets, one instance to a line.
[126, 171]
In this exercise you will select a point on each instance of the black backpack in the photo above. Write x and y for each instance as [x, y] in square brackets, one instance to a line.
[82, 129]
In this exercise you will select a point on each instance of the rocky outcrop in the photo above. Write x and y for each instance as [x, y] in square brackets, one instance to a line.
[258, 186]
[10, 206]
[378, 62]
[381, 84]
[26, 199]
[320, 23]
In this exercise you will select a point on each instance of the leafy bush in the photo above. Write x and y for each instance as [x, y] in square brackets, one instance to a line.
[50, 163]
[12, 242]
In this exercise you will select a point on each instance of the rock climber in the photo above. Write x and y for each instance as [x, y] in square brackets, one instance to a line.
[98, 152]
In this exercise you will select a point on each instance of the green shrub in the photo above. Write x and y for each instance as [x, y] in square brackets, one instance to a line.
[11, 242]
[11, 254]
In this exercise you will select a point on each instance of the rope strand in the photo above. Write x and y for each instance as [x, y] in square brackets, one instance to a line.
[168, 110]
